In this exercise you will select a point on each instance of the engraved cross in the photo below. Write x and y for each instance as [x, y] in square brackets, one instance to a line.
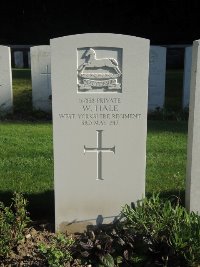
[99, 149]
[48, 74]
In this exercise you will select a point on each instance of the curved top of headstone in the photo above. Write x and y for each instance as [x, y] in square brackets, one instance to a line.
[40, 47]
[100, 37]
[3, 47]
[158, 47]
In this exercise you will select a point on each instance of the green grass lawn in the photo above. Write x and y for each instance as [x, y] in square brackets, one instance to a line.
[26, 164]
[26, 157]
[166, 157]
[26, 161]
[26, 149]
[22, 97]
[22, 91]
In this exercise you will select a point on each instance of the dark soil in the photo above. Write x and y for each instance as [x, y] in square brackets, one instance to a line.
[26, 254]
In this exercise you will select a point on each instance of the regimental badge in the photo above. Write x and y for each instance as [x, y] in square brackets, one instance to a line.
[99, 72]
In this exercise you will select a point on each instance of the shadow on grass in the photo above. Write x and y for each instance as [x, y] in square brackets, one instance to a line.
[23, 102]
[40, 206]
[167, 126]
[173, 90]
[173, 195]
[21, 74]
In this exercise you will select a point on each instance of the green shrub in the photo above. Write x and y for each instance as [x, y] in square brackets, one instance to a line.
[167, 233]
[13, 220]
[58, 251]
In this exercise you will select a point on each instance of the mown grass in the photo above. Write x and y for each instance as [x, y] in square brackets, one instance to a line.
[26, 150]
[26, 163]
[22, 91]
[22, 98]
[166, 157]
[26, 157]
[26, 160]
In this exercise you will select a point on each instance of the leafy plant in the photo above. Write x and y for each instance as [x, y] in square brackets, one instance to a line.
[94, 247]
[58, 251]
[106, 246]
[13, 221]
[168, 233]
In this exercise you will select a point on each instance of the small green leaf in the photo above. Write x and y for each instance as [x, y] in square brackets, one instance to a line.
[107, 260]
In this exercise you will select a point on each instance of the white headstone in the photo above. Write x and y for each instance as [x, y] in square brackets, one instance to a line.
[157, 73]
[187, 76]
[193, 153]
[41, 77]
[6, 95]
[19, 59]
[99, 85]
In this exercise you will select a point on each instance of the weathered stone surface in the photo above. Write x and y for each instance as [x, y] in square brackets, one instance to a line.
[6, 94]
[193, 153]
[99, 86]
[187, 76]
[41, 77]
[19, 59]
[157, 75]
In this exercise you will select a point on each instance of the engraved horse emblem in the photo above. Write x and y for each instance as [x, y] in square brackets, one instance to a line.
[94, 62]
[98, 74]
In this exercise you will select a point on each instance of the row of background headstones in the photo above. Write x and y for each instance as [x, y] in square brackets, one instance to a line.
[22, 59]
[41, 71]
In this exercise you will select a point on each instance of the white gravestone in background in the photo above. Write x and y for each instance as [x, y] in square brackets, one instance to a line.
[157, 73]
[187, 76]
[19, 59]
[6, 94]
[41, 77]
[99, 86]
[193, 150]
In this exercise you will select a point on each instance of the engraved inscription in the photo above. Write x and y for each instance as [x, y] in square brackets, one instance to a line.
[99, 73]
[100, 111]
[99, 149]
